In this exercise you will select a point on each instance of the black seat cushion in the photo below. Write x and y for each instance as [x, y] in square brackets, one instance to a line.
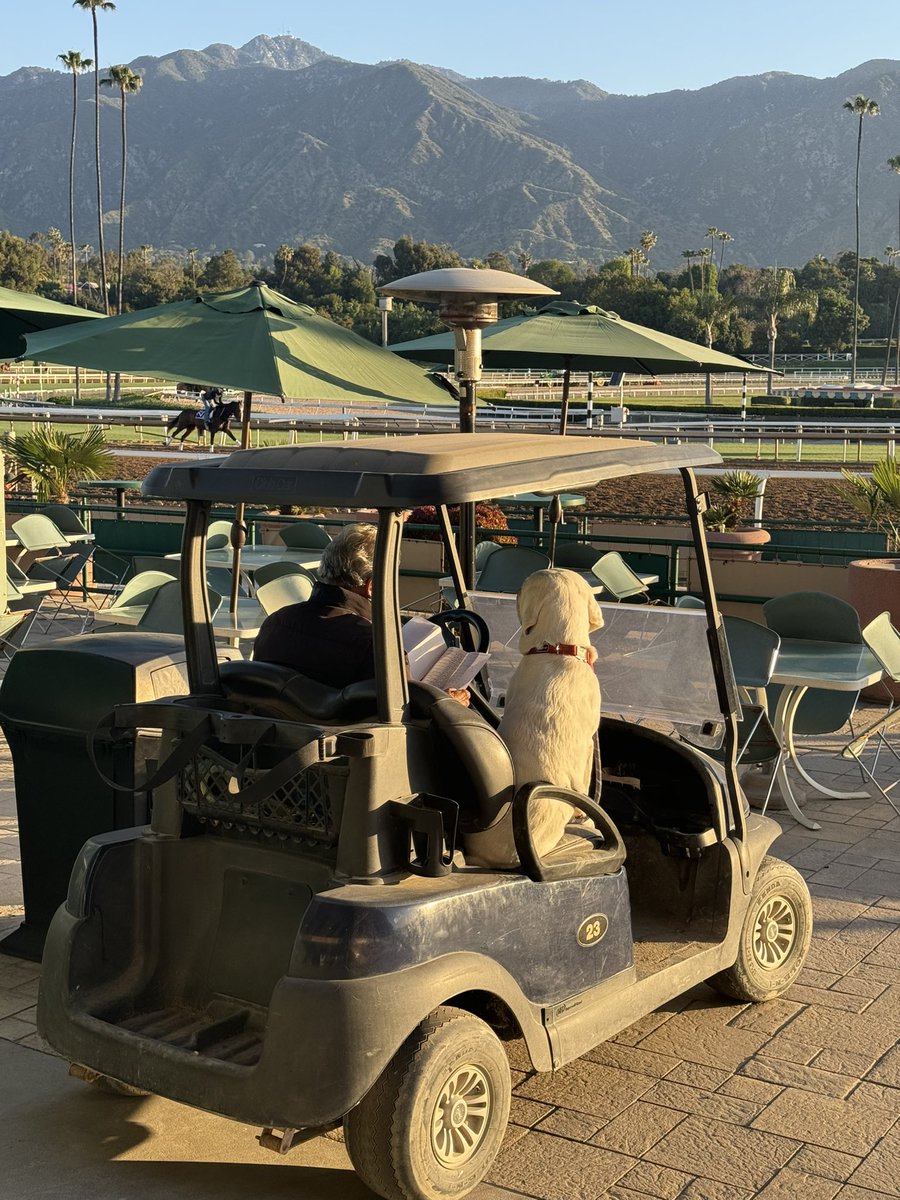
[270, 690]
[471, 762]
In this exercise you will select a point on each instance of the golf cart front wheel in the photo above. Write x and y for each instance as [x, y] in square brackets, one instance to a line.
[774, 938]
[432, 1124]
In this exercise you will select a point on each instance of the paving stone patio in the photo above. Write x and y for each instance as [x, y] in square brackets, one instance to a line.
[706, 1099]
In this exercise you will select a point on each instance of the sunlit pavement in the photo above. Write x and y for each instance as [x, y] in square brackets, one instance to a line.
[707, 1099]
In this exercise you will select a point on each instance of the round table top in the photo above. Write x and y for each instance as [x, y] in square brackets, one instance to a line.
[566, 499]
[131, 484]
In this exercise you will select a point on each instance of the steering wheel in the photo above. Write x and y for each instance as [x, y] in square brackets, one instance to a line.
[465, 620]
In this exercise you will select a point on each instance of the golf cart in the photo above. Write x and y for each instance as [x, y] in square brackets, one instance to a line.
[297, 941]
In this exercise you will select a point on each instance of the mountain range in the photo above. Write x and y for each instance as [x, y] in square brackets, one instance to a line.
[279, 141]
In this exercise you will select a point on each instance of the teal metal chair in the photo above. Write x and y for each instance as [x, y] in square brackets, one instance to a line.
[50, 556]
[884, 641]
[282, 591]
[819, 617]
[163, 614]
[275, 570]
[134, 599]
[483, 552]
[67, 521]
[304, 535]
[687, 601]
[753, 650]
[618, 579]
[508, 567]
[218, 535]
[577, 556]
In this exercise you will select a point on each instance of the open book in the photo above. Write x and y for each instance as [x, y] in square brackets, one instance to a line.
[432, 661]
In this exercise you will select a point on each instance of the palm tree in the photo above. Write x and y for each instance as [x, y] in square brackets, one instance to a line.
[861, 107]
[128, 83]
[690, 255]
[723, 238]
[705, 256]
[56, 461]
[778, 296]
[712, 233]
[92, 6]
[73, 61]
[192, 254]
[648, 241]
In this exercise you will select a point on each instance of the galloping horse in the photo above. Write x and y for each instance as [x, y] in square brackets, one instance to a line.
[189, 421]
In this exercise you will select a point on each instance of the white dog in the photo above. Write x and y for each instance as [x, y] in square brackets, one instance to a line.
[552, 707]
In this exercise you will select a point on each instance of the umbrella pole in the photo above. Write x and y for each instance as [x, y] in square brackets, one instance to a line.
[238, 532]
[555, 515]
[564, 407]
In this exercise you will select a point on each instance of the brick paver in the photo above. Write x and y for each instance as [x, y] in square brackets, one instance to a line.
[797, 1099]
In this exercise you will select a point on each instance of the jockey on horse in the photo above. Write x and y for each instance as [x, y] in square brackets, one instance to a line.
[214, 417]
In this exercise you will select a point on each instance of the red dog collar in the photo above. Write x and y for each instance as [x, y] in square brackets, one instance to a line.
[579, 652]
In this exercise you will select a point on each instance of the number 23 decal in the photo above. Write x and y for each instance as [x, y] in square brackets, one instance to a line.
[592, 930]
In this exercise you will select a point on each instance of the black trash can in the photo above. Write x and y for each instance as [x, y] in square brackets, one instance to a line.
[51, 700]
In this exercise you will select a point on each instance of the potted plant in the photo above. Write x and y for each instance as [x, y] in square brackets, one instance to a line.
[873, 584]
[728, 519]
[55, 462]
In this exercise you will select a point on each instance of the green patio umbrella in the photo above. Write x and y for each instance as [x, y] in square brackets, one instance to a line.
[23, 312]
[252, 339]
[569, 337]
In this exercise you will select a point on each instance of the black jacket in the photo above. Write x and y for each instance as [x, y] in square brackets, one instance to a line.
[327, 638]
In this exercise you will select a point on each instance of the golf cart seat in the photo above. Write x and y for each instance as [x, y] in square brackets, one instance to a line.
[270, 690]
[470, 761]
[471, 764]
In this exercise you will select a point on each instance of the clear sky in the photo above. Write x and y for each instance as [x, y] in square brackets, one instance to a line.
[634, 47]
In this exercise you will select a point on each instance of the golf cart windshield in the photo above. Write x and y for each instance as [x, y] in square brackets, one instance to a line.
[653, 662]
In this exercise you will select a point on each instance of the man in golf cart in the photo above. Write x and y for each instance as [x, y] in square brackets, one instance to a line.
[328, 638]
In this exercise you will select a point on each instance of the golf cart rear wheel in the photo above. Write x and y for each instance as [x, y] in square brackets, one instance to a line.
[774, 938]
[432, 1124]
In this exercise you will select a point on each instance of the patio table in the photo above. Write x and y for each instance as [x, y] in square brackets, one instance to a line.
[121, 487]
[539, 503]
[800, 665]
[254, 557]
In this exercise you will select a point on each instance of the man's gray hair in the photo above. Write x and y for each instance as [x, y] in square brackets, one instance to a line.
[347, 560]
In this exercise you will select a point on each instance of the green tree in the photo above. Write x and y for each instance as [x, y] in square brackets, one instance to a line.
[410, 258]
[556, 274]
[128, 83]
[75, 63]
[23, 264]
[223, 273]
[93, 6]
[831, 329]
[56, 461]
[861, 107]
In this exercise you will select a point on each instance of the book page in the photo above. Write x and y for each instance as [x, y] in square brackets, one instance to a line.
[456, 668]
[424, 644]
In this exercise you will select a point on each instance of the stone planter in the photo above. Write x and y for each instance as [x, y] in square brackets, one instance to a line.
[737, 543]
[873, 587]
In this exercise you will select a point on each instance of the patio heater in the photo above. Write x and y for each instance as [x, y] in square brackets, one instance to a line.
[467, 301]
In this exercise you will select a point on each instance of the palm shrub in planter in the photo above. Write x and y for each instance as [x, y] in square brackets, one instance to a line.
[55, 462]
[733, 497]
[873, 584]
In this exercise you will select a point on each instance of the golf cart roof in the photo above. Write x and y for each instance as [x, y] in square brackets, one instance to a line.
[402, 472]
